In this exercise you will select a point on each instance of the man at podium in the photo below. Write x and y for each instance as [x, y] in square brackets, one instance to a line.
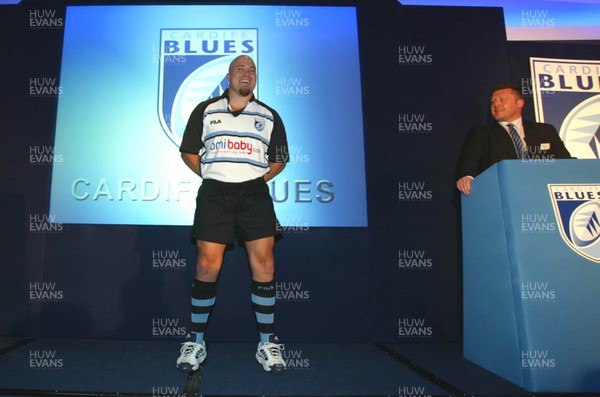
[510, 137]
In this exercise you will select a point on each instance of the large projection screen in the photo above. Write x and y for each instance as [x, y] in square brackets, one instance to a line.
[131, 75]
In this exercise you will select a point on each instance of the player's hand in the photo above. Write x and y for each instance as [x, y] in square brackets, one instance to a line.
[464, 184]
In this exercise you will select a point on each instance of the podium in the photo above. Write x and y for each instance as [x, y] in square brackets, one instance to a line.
[531, 274]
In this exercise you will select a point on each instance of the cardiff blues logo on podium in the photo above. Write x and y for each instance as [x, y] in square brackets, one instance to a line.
[577, 210]
[193, 67]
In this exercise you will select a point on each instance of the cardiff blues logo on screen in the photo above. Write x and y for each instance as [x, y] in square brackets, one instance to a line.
[577, 210]
[566, 93]
[581, 129]
[193, 68]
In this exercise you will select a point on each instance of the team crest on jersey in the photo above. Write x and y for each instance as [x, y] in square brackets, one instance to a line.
[259, 124]
[193, 67]
[577, 210]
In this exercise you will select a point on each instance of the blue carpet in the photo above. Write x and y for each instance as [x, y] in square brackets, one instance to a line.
[446, 362]
[69, 365]
[148, 368]
[313, 370]
[6, 342]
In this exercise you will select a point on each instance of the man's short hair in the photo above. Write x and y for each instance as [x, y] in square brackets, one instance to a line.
[511, 86]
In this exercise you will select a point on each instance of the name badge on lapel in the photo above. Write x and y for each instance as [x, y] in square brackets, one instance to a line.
[545, 146]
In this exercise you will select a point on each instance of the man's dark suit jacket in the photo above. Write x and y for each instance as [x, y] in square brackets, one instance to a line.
[488, 144]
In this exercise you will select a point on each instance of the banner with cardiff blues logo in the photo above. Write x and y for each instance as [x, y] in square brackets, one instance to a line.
[193, 68]
[567, 95]
[577, 210]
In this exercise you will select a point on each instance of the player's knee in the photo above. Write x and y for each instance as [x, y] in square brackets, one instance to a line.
[206, 271]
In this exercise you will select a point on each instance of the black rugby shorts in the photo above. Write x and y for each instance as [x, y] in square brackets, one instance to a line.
[225, 211]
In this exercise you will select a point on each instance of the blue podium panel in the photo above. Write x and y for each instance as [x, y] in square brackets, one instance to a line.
[486, 274]
[531, 233]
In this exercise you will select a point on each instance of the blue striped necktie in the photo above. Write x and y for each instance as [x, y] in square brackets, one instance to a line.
[519, 146]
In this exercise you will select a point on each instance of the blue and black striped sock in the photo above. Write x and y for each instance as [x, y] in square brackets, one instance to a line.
[263, 304]
[203, 301]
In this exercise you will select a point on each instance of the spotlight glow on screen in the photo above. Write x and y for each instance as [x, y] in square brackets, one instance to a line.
[132, 74]
[538, 20]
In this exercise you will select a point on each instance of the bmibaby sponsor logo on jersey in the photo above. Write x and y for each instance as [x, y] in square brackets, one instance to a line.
[232, 145]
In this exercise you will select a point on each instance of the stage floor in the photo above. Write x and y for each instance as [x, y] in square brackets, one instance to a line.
[60, 367]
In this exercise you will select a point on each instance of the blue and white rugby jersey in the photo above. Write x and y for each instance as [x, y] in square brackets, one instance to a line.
[235, 146]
